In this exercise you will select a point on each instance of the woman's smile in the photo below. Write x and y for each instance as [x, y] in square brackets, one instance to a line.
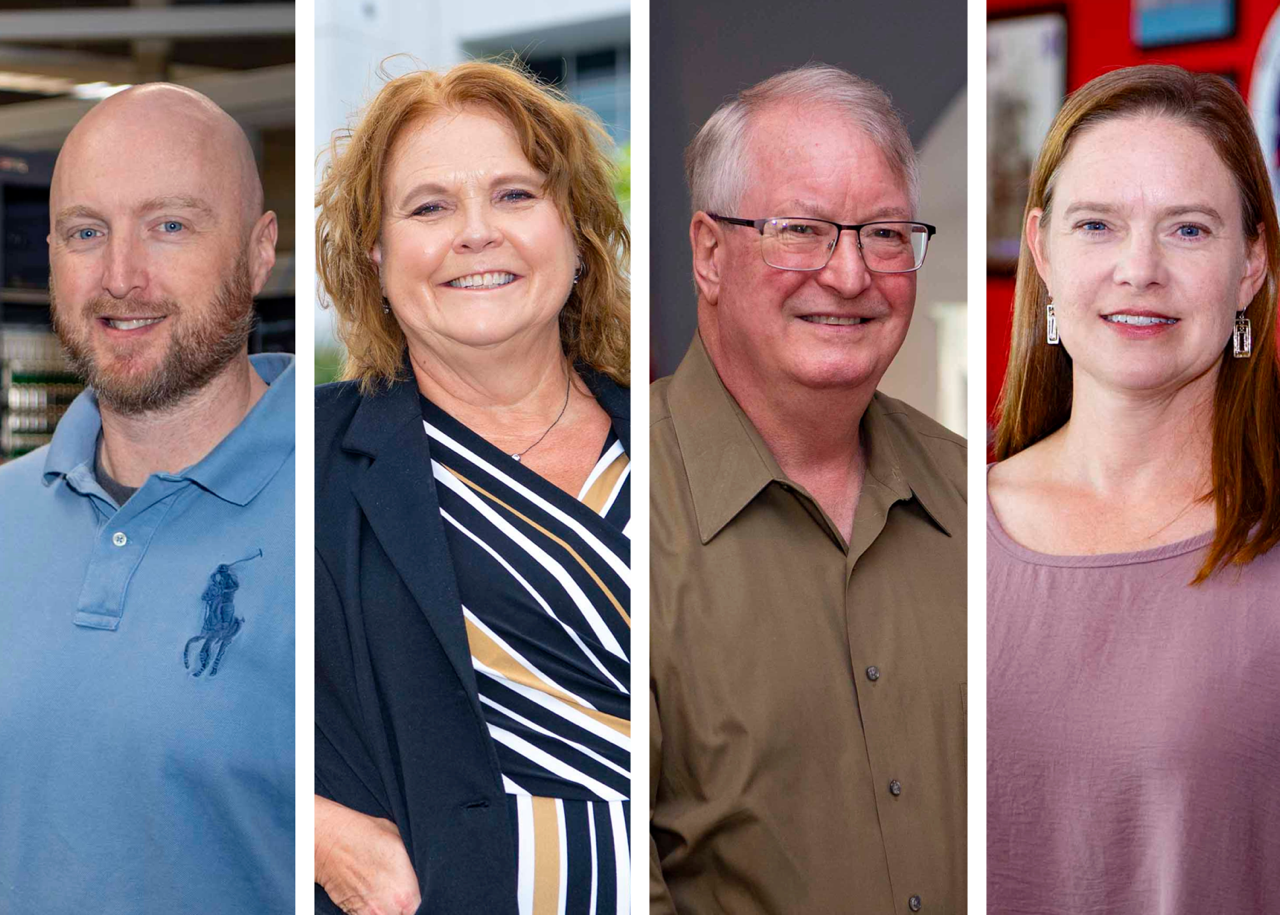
[483, 281]
[472, 224]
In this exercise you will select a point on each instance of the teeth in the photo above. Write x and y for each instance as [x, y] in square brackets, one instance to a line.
[1139, 320]
[831, 319]
[134, 324]
[483, 280]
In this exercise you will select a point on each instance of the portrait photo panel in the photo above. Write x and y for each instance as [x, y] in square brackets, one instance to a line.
[1133, 419]
[472, 467]
[807, 485]
[147, 457]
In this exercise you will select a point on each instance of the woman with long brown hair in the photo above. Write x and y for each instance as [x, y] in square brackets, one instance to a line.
[1134, 585]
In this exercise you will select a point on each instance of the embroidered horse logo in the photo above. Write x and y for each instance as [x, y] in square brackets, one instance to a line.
[220, 621]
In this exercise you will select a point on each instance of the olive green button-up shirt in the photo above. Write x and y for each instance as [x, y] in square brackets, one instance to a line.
[807, 750]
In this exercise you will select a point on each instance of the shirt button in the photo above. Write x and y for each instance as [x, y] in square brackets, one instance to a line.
[119, 539]
[914, 903]
[873, 673]
[895, 788]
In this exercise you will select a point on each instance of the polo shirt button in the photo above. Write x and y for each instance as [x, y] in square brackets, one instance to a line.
[895, 788]
[119, 539]
[914, 903]
[873, 673]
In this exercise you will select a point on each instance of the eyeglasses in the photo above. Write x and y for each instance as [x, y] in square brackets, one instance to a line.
[789, 243]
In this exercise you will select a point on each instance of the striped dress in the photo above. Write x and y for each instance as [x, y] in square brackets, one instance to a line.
[545, 585]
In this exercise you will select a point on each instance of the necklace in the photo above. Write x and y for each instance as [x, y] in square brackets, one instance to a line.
[520, 454]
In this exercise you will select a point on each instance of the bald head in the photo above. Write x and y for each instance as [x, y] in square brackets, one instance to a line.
[173, 130]
[157, 246]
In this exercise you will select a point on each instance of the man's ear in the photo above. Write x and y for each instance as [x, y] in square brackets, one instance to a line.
[262, 249]
[707, 241]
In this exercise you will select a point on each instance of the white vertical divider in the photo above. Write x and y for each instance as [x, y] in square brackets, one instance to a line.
[640, 361]
[304, 245]
[977, 435]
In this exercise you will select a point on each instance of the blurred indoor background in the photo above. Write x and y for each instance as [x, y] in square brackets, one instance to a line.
[58, 58]
[704, 52]
[583, 46]
[1037, 54]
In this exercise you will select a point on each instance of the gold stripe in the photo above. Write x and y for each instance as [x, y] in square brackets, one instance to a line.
[546, 533]
[546, 857]
[489, 653]
[599, 492]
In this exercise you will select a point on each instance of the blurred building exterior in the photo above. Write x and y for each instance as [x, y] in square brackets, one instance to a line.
[584, 46]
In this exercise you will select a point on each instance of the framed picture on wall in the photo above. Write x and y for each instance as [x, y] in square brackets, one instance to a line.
[1157, 23]
[1026, 82]
[1264, 99]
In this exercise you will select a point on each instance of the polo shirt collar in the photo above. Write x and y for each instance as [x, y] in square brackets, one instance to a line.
[236, 469]
[729, 464]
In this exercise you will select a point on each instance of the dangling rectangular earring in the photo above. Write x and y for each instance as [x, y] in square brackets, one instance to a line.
[1053, 324]
[1242, 339]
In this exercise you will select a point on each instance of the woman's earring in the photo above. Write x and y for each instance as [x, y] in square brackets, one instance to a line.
[578, 271]
[1242, 339]
[386, 306]
[1053, 323]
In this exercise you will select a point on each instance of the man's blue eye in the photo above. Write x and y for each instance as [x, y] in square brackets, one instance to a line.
[1095, 226]
[85, 234]
[173, 226]
[1190, 231]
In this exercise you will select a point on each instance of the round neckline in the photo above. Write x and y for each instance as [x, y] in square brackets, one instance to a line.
[997, 533]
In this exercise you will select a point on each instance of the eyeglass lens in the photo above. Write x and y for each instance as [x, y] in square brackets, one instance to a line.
[804, 244]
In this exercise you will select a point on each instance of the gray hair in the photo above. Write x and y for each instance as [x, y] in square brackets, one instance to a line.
[716, 161]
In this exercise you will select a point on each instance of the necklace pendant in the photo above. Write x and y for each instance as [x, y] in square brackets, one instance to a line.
[515, 457]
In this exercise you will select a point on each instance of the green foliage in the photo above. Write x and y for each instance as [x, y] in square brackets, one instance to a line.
[622, 178]
[328, 364]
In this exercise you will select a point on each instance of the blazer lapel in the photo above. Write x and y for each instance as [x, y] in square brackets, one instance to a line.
[397, 493]
[614, 400]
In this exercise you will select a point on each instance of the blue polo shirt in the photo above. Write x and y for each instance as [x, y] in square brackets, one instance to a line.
[147, 675]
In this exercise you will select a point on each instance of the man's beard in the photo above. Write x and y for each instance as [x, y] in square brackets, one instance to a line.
[202, 342]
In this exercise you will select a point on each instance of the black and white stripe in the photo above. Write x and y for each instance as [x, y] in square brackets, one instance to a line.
[545, 582]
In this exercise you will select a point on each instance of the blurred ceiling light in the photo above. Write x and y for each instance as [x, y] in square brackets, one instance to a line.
[98, 90]
[35, 84]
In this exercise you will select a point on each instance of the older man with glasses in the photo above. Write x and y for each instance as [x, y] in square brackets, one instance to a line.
[808, 533]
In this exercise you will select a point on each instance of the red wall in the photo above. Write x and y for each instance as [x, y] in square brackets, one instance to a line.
[1097, 41]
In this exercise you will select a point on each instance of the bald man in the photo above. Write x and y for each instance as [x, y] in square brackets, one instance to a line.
[146, 553]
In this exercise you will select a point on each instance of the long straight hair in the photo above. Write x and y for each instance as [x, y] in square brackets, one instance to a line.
[1036, 398]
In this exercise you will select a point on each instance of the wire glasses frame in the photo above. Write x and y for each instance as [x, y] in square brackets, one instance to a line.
[804, 244]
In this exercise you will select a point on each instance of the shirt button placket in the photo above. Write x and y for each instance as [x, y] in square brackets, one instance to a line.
[119, 538]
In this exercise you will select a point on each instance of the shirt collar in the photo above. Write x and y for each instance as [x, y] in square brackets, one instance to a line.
[728, 463]
[236, 469]
[897, 460]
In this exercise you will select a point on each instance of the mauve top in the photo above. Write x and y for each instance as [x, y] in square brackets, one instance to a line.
[1133, 732]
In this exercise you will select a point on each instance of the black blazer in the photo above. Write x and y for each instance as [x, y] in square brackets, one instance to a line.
[399, 729]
